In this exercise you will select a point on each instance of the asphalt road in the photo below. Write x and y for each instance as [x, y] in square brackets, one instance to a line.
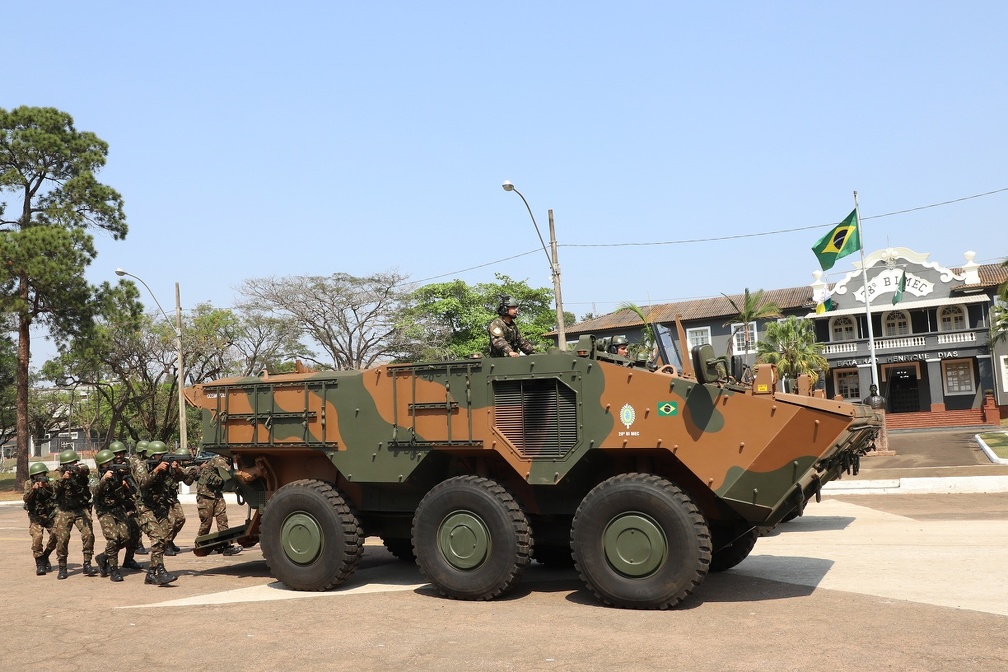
[908, 582]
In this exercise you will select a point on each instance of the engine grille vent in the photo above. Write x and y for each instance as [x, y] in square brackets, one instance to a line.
[538, 416]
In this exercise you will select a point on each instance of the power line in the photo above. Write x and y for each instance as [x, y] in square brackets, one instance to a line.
[715, 239]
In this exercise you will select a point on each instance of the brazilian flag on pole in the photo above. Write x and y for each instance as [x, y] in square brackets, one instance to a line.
[839, 242]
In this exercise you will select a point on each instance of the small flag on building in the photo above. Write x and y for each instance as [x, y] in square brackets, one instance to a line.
[898, 295]
[823, 301]
[841, 241]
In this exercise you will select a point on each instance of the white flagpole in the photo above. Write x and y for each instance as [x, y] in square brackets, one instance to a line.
[867, 301]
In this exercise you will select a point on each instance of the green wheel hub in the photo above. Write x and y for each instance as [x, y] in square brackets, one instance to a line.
[464, 540]
[301, 538]
[634, 545]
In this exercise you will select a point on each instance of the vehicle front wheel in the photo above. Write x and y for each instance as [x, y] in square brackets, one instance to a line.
[640, 542]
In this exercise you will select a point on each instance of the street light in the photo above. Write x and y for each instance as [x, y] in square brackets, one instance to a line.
[554, 265]
[183, 439]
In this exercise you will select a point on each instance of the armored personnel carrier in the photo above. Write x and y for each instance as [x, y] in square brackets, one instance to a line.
[644, 480]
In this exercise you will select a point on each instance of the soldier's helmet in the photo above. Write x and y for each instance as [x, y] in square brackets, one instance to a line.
[141, 447]
[616, 342]
[156, 448]
[104, 457]
[38, 468]
[505, 303]
[117, 446]
[182, 453]
[68, 456]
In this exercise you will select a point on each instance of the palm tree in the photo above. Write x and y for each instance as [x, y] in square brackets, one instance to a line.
[791, 345]
[647, 341]
[752, 308]
[999, 315]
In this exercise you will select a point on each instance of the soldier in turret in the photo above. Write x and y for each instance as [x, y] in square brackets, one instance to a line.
[40, 503]
[505, 339]
[73, 507]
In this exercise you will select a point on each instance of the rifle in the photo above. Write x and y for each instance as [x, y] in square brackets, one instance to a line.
[123, 474]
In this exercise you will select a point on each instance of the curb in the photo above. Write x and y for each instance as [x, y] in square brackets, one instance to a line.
[938, 485]
[991, 455]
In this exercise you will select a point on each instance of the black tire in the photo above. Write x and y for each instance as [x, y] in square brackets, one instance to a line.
[640, 542]
[735, 552]
[472, 540]
[310, 537]
[400, 548]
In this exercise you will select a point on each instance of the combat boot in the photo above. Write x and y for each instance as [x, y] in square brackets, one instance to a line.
[152, 579]
[45, 560]
[140, 550]
[130, 563]
[168, 550]
[115, 575]
[62, 571]
[88, 569]
[172, 546]
[103, 564]
[232, 549]
[165, 575]
[39, 566]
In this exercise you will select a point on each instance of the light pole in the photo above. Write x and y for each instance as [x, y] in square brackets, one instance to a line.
[183, 438]
[554, 265]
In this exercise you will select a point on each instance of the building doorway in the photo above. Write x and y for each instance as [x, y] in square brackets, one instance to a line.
[902, 394]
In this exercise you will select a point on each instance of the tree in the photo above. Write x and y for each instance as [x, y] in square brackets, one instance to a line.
[8, 388]
[791, 345]
[749, 309]
[999, 314]
[352, 319]
[448, 320]
[648, 340]
[50, 167]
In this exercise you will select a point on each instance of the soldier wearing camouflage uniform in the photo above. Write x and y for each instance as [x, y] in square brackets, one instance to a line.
[40, 503]
[505, 339]
[73, 507]
[176, 515]
[113, 496]
[134, 544]
[210, 499]
[152, 512]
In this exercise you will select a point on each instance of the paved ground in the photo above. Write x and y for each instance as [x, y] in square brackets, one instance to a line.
[861, 582]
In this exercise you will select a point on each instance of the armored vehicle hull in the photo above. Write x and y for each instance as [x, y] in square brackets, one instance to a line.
[643, 480]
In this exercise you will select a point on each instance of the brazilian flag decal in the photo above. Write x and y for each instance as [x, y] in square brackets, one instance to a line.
[667, 408]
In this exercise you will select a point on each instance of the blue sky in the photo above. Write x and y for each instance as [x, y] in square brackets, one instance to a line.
[252, 140]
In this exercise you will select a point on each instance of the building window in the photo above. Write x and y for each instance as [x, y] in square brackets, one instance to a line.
[895, 323]
[957, 374]
[951, 318]
[698, 336]
[847, 384]
[739, 344]
[842, 329]
[1004, 372]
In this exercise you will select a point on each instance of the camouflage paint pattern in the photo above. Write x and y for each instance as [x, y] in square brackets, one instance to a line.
[530, 422]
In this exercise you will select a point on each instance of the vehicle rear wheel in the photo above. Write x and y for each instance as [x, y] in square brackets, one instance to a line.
[400, 548]
[640, 542]
[471, 538]
[310, 537]
[735, 552]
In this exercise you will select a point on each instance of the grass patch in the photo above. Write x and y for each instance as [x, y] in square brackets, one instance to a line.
[7, 486]
[998, 442]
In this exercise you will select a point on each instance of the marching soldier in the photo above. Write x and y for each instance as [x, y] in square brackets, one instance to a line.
[113, 502]
[40, 503]
[152, 512]
[210, 499]
[134, 542]
[73, 507]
